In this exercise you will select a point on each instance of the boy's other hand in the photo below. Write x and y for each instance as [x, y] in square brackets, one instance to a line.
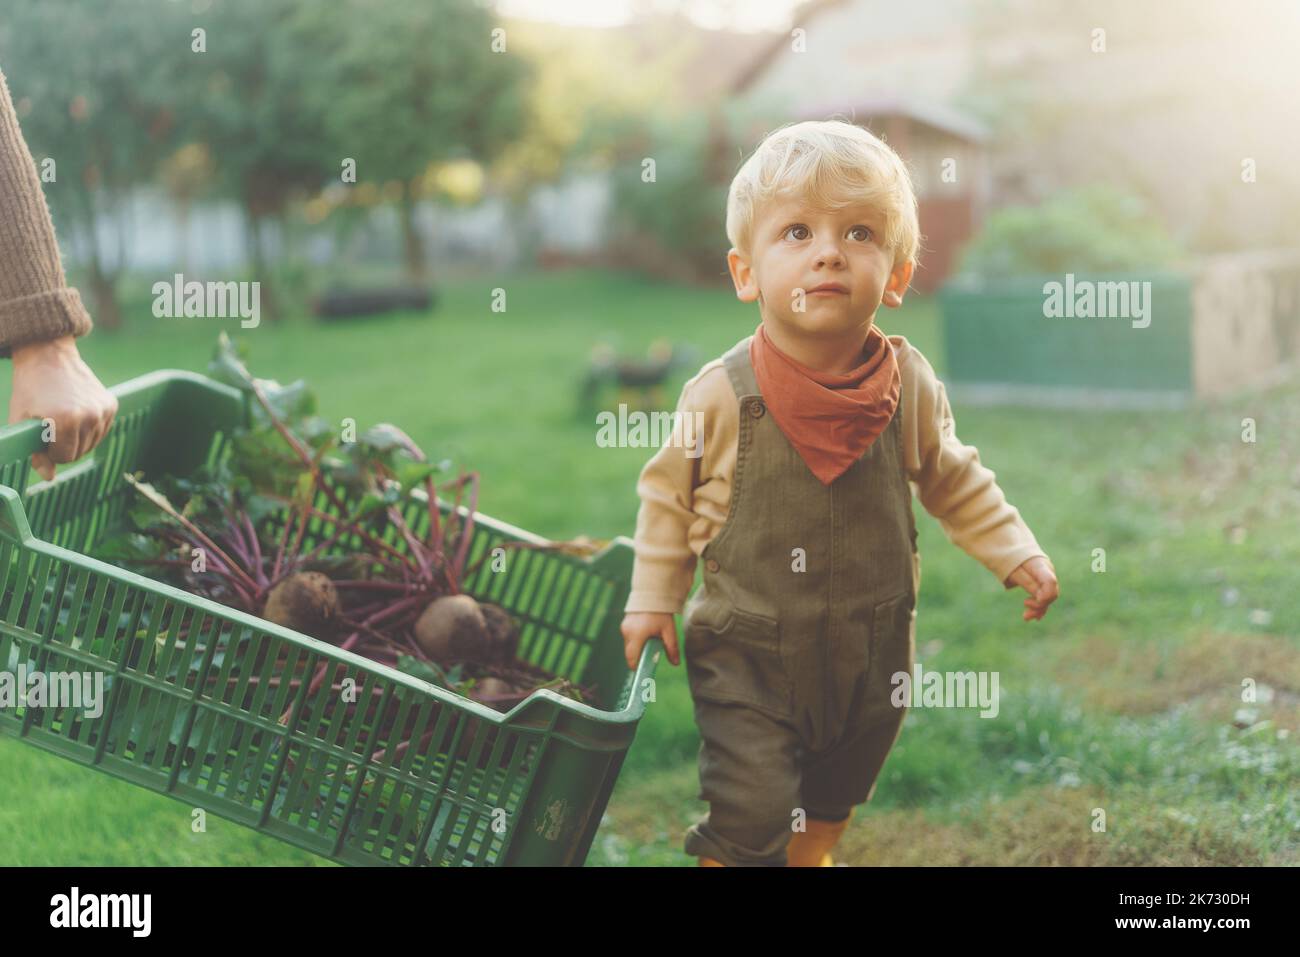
[640, 626]
[1036, 577]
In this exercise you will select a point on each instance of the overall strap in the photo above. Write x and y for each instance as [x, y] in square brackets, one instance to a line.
[740, 370]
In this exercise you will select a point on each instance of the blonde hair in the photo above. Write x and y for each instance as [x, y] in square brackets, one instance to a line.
[829, 164]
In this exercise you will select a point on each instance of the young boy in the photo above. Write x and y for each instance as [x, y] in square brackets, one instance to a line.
[800, 503]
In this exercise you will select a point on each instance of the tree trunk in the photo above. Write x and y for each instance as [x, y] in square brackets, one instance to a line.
[183, 227]
[107, 313]
[412, 241]
[261, 274]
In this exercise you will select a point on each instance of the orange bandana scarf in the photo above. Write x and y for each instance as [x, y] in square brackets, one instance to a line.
[830, 418]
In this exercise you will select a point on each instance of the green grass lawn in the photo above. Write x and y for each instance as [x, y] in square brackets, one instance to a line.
[1124, 706]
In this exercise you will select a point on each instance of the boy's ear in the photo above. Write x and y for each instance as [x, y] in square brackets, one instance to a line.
[742, 276]
[896, 288]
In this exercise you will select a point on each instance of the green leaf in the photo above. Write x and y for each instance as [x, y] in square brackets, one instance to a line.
[304, 490]
[411, 474]
[290, 402]
[129, 546]
[228, 366]
[382, 437]
[262, 507]
[424, 670]
[370, 504]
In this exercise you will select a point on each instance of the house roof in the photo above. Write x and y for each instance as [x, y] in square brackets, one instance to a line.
[779, 43]
[859, 109]
[931, 113]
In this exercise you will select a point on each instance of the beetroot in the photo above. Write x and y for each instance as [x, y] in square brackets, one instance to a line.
[502, 632]
[452, 627]
[459, 628]
[306, 602]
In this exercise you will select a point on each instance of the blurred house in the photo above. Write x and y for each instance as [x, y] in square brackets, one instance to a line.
[898, 76]
[944, 151]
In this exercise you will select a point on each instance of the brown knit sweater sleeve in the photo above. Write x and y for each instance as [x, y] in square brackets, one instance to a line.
[35, 301]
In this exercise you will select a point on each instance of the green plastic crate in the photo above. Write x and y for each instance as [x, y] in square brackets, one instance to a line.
[483, 788]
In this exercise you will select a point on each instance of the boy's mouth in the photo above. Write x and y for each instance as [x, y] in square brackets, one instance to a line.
[829, 288]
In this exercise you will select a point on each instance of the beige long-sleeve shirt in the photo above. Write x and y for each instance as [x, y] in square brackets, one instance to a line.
[685, 488]
[35, 301]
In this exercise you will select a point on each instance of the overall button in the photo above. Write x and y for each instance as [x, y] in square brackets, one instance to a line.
[711, 564]
[756, 409]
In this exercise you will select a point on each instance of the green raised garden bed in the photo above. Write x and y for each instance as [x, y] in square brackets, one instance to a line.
[999, 342]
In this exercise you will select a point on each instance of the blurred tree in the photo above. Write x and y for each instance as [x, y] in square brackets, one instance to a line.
[93, 85]
[1093, 228]
[247, 100]
[675, 224]
[186, 176]
[588, 88]
[406, 87]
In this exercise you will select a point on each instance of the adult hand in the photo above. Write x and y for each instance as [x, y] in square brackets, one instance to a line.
[1036, 577]
[52, 382]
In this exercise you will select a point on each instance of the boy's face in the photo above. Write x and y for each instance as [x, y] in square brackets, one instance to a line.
[797, 248]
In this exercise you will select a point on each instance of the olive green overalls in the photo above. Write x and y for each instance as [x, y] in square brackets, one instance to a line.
[806, 610]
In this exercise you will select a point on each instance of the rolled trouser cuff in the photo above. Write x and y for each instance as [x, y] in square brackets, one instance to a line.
[703, 841]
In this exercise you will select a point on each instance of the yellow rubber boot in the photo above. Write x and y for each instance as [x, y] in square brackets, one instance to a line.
[812, 847]
[710, 862]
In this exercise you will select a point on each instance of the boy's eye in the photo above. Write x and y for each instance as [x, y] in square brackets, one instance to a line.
[864, 230]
